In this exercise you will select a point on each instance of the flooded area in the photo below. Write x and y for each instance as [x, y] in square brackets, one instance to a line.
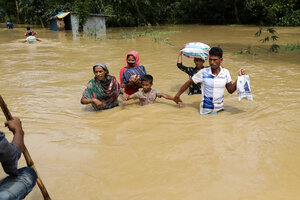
[158, 151]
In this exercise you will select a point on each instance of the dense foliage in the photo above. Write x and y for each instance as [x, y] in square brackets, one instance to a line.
[143, 12]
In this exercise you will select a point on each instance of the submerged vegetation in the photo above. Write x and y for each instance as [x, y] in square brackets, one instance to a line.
[293, 47]
[267, 34]
[146, 31]
[248, 50]
[270, 34]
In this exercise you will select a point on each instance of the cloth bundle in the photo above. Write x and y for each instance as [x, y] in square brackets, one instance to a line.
[196, 50]
[243, 87]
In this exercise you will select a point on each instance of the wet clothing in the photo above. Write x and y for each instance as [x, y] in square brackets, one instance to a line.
[19, 182]
[31, 39]
[10, 25]
[17, 187]
[126, 72]
[147, 98]
[212, 89]
[9, 155]
[107, 90]
[191, 71]
[30, 31]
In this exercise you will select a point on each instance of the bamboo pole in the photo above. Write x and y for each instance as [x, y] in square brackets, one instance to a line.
[26, 154]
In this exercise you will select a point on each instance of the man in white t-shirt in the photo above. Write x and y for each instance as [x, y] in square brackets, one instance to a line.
[31, 39]
[214, 80]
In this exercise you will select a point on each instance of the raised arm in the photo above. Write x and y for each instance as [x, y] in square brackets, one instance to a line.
[179, 59]
[188, 70]
[231, 87]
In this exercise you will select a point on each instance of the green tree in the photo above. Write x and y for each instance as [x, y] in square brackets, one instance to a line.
[144, 12]
[82, 10]
[274, 12]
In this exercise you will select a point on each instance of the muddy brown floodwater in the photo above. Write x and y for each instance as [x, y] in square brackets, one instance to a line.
[159, 151]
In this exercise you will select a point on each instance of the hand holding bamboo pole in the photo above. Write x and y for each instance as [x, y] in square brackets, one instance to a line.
[25, 152]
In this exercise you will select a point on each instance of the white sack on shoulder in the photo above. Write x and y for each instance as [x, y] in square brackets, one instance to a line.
[243, 87]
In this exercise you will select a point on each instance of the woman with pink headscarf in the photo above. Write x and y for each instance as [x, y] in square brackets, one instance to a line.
[130, 76]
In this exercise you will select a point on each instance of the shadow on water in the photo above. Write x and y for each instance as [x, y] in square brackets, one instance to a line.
[233, 110]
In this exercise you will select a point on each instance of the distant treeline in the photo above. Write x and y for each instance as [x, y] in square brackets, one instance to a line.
[144, 12]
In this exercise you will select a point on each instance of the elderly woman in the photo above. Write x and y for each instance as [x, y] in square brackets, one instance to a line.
[103, 90]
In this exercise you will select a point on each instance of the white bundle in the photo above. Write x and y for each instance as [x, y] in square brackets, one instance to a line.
[243, 87]
[196, 50]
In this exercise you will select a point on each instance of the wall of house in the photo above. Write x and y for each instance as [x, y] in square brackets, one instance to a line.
[95, 25]
[53, 25]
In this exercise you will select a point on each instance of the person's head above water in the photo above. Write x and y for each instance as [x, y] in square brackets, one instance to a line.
[215, 57]
[133, 59]
[147, 78]
[100, 70]
[147, 81]
[216, 51]
[198, 62]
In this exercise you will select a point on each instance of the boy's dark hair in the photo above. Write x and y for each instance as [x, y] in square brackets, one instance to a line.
[148, 78]
[28, 28]
[216, 51]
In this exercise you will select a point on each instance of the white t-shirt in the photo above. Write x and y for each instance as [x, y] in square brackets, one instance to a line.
[212, 89]
[31, 39]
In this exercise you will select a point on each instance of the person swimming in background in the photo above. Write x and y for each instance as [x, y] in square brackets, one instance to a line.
[130, 76]
[29, 31]
[31, 39]
[9, 25]
[148, 95]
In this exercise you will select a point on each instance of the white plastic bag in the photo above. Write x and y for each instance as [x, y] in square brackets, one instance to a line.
[243, 87]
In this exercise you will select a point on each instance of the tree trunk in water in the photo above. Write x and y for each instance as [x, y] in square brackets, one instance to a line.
[42, 23]
[236, 12]
[18, 12]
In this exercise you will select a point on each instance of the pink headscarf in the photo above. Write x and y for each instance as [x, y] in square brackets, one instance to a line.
[136, 55]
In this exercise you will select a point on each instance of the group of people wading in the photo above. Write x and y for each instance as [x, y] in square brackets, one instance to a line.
[103, 90]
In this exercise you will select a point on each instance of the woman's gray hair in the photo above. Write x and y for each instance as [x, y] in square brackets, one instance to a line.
[101, 64]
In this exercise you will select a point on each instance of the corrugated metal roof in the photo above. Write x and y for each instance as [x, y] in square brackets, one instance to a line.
[61, 15]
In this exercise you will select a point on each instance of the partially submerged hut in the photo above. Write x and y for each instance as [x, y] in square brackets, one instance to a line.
[95, 23]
